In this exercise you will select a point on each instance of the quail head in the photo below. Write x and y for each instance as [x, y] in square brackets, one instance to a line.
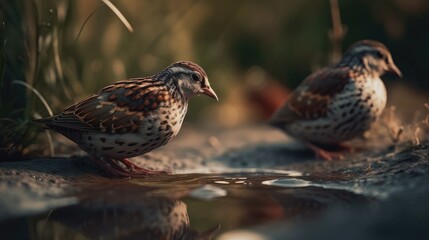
[339, 102]
[132, 117]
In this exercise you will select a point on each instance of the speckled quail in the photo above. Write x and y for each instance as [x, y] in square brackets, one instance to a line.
[339, 102]
[132, 117]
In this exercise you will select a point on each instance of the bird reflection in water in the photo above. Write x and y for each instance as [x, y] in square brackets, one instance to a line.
[141, 218]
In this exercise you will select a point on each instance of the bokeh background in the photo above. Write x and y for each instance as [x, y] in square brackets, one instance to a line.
[254, 52]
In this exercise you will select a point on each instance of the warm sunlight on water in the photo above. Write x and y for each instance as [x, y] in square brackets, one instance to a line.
[189, 205]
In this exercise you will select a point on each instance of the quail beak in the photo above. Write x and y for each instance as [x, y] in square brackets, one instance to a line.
[394, 69]
[209, 92]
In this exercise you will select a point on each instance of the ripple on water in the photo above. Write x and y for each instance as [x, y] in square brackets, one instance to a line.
[208, 192]
[221, 182]
[287, 182]
[226, 170]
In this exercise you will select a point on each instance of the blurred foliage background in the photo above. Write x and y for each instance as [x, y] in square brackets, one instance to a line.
[253, 51]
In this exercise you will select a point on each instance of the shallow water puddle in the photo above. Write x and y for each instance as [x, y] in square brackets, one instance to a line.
[186, 206]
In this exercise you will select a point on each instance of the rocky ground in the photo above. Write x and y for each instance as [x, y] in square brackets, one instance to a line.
[385, 188]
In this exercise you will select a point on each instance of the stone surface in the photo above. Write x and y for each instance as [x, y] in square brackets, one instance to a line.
[384, 188]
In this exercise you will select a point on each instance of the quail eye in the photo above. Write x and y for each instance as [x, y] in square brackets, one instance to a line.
[379, 54]
[195, 77]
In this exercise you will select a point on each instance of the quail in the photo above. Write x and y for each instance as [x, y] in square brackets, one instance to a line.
[339, 102]
[132, 117]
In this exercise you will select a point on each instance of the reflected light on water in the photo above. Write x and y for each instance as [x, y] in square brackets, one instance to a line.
[208, 192]
[287, 182]
[241, 235]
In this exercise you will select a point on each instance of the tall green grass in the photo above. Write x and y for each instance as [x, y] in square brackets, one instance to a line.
[34, 78]
[18, 62]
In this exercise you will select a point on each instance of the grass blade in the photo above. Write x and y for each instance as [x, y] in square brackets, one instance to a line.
[84, 24]
[50, 143]
[48, 108]
[48, 136]
[37, 93]
[118, 14]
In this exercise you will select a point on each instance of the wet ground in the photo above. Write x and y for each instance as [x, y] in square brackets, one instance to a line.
[249, 183]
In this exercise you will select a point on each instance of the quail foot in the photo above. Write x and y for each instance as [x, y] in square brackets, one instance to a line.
[339, 102]
[132, 117]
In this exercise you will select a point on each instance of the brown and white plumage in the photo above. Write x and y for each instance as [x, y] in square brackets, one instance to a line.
[339, 102]
[132, 117]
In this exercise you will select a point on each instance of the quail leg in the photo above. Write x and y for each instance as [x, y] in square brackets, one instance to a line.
[135, 169]
[110, 167]
[324, 154]
[113, 167]
[346, 148]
